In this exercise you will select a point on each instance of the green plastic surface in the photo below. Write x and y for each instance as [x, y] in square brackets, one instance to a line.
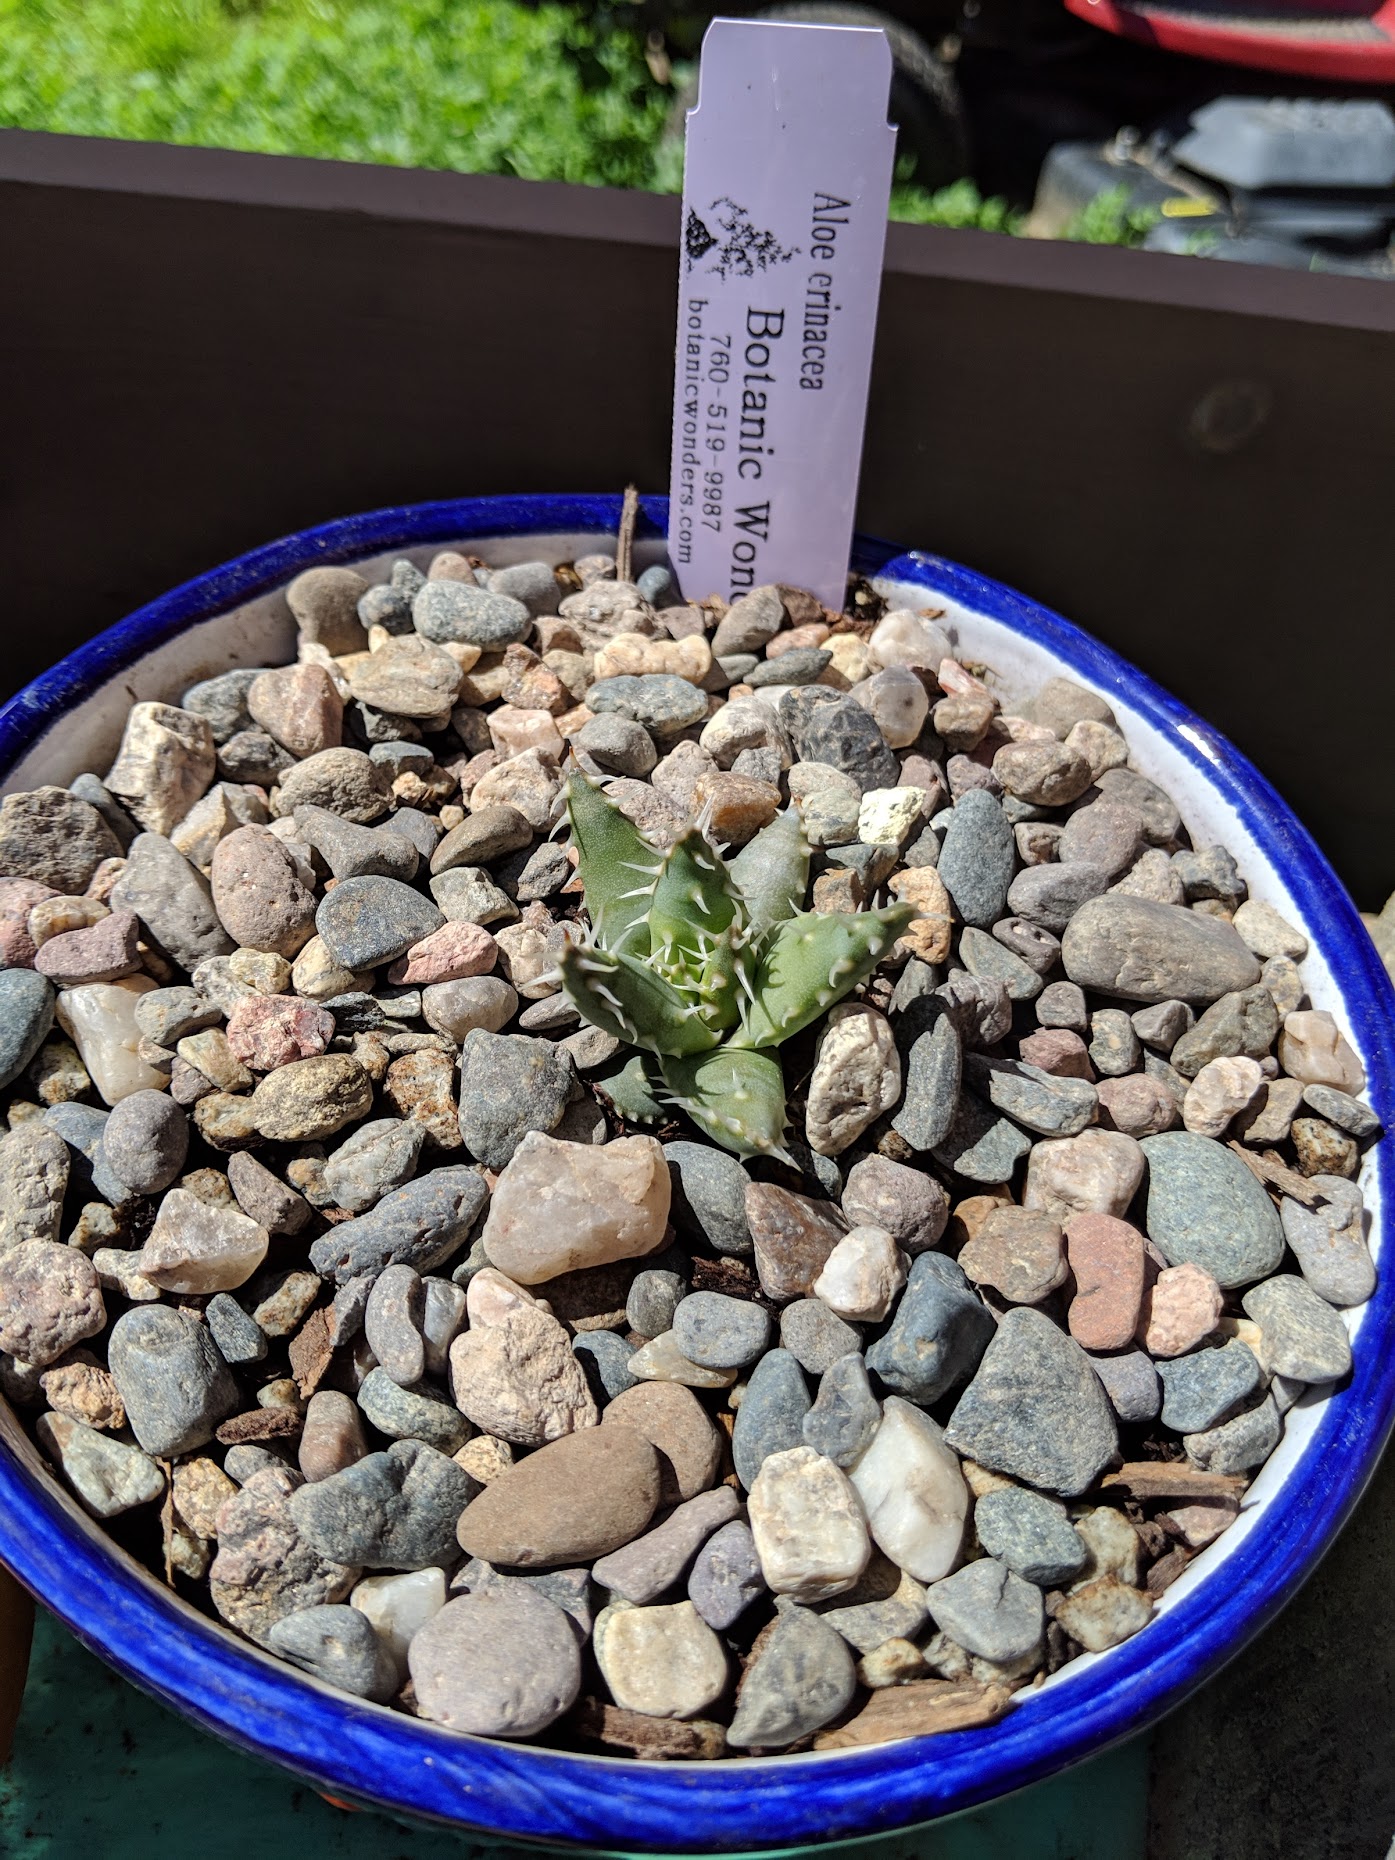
[100, 1772]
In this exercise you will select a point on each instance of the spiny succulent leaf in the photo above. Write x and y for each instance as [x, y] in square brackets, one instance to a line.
[772, 872]
[617, 866]
[631, 1000]
[737, 1097]
[631, 1090]
[810, 962]
[693, 900]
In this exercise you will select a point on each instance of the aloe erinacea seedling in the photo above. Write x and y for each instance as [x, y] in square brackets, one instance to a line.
[707, 965]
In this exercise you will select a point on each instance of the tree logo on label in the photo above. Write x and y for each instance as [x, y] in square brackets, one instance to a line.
[742, 248]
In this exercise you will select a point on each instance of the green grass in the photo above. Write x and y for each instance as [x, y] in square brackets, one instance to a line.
[481, 85]
[484, 86]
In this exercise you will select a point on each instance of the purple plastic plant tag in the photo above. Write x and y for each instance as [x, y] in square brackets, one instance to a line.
[788, 172]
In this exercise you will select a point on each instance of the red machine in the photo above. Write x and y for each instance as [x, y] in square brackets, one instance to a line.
[1342, 42]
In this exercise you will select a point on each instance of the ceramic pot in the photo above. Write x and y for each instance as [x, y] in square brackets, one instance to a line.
[71, 719]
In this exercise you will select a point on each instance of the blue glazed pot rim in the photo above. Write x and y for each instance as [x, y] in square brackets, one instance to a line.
[521, 1792]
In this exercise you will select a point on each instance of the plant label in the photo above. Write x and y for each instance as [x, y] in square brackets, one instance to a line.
[788, 172]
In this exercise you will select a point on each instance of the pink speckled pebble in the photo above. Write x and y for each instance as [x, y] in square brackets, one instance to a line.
[449, 954]
[102, 952]
[1137, 1105]
[1058, 1051]
[1106, 1256]
[267, 1031]
[1182, 1307]
[18, 896]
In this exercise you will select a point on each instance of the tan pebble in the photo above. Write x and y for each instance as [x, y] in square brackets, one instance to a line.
[1182, 1306]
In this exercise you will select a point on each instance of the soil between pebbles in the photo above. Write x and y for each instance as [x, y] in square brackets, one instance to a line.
[332, 1281]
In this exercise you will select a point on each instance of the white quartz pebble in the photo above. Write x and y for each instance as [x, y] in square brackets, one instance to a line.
[810, 1534]
[397, 1606]
[913, 1492]
[862, 1275]
[100, 1019]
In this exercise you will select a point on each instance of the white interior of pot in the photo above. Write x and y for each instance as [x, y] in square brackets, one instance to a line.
[262, 633]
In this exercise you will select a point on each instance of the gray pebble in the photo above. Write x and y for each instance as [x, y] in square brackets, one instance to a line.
[1035, 1409]
[977, 859]
[1062, 1004]
[1103, 833]
[845, 1414]
[1131, 1383]
[1154, 952]
[27, 1002]
[1030, 943]
[771, 1416]
[1205, 1206]
[245, 1461]
[444, 1316]
[375, 1159]
[1161, 820]
[387, 607]
[1205, 1387]
[509, 1084]
[501, 1664]
[1329, 1241]
[352, 851]
[1031, 1535]
[173, 900]
[393, 1322]
[937, 1336]
[419, 1414]
[238, 1336]
[985, 955]
[166, 1015]
[987, 1610]
[146, 1141]
[617, 744]
[641, 1571]
[1041, 1101]
[253, 756]
[443, 611]
[1341, 1109]
[802, 1677]
[97, 794]
[420, 1225]
[1114, 1046]
[270, 1201]
[533, 583]
[1051, 895]
[1244, 1024]
[981, 1146]
[1236, 1445]
[223, 701]
[719, 1332]
[827, 727]
[393, 1510]
[934, 1060]
[348, 1307]
[661, 702]
[172, 1378]
[801, 665]
[607, 1354]
[482, 837]
[1209, 872]
[653, 1298]
[423, 830]
[1162, 1026]
[978, 1004]
[751, 622]
[338, 1645]
[726, 1578]
[544, 873]
[571, 1590]
[815, 1336]
[368, 921]
[1302, 1337]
